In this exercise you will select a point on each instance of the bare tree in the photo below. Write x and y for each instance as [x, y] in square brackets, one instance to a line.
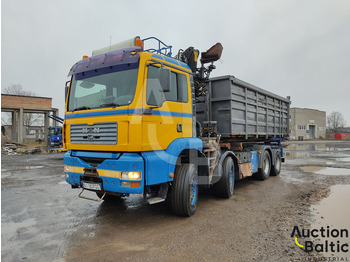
[335, 121]
[17, 89]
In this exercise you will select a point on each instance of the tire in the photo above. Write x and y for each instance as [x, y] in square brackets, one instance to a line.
[108, 198]
[276, 168]
[264, 171]
[184, 193]
[225, 186]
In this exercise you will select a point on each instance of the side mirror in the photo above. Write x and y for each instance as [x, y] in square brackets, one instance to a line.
[66, 90]
[164, 79]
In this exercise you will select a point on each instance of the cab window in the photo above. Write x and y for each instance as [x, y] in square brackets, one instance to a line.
[178, 87]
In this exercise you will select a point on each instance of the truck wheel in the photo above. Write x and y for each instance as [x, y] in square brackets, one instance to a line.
[225, 186]
[276, 169]
[264, 171]
[184, 195]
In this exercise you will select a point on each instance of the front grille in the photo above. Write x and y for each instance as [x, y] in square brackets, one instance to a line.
[100, 133]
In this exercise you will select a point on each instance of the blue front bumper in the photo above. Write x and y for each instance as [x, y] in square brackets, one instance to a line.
[109, 170]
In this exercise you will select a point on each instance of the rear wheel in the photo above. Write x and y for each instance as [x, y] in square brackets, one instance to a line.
[276, 168]
[184, 195]
[225, 186]
[264, 171]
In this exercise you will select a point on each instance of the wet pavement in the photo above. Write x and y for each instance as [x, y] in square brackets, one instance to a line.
[44, 220]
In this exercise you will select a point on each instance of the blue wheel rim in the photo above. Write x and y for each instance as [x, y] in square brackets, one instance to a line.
[231, 179]
[193, 190]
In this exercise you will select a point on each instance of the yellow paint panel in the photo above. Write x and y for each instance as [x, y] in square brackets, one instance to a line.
[109, 173]
[74, 169]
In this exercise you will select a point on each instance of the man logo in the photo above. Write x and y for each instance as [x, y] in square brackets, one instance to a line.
[85, 130]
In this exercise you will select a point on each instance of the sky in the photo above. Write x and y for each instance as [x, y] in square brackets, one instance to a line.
[292, 48]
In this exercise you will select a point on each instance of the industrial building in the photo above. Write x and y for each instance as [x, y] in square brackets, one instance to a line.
[306, 123]
[18, 106]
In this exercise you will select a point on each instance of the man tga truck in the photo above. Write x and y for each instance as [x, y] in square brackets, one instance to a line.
[139, 121]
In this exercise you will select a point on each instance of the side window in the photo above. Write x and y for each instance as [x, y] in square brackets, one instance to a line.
[172, 94]
[178, 88]
[182, 88]
[153, 92]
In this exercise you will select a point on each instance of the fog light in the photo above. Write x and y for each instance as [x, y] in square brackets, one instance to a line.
[131, 175]
[123, 183]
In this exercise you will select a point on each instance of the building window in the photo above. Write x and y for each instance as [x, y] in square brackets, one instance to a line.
[301, 127]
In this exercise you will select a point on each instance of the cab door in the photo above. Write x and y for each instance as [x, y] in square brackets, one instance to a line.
[167, 113]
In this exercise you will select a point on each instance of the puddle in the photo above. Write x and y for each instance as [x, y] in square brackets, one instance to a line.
[14, 228]
[344, 159]
[21, 168]
[327, 171]
[297, 154]
[331, 215]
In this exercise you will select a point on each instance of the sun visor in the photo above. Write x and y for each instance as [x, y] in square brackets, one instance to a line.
[112, 58]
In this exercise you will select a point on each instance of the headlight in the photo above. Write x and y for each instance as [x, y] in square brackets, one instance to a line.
[131, 175]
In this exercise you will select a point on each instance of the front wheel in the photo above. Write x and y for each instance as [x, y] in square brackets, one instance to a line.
[225, 186]
[184, 195]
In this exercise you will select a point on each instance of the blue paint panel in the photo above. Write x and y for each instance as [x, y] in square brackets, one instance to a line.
[184, 65]
[114, 185]
[101, 113]
[160, 164]
[156, 167]
[126, 162]
[95, 154]
[125, 112]
[158, 56]
[74, 178]
[173, 114]
[171, 60]
[73, 161]
[254, 155]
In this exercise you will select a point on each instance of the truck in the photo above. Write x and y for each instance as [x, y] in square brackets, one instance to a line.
[139, 120]
[54, 138]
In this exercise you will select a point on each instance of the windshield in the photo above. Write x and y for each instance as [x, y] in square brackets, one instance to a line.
[102, 88]
[58, 131]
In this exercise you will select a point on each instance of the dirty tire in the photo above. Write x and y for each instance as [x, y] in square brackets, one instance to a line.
[276, 168]
[108, 198]
[184, 195]
[225, 186]
[264, 171]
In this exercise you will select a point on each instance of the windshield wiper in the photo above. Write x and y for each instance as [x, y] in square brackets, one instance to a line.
[109, 104]
[81, 108]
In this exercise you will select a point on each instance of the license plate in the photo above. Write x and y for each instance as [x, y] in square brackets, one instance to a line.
[92, 186]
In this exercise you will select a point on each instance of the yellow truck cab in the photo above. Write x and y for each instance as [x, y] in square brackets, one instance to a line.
[128, 118]
[131, 127]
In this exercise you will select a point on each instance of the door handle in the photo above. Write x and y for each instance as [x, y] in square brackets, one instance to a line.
[179, 127]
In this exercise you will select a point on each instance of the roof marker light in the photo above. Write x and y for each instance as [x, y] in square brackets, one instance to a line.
[138, 42]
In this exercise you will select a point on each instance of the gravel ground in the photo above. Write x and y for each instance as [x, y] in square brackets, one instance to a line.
[44, 220]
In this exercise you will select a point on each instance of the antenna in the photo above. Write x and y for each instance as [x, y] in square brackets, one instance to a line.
[110, 43]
